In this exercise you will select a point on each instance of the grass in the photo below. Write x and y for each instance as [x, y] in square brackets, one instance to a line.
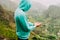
[7, 32]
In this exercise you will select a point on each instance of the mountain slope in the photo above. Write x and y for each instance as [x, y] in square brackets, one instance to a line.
[8, 4]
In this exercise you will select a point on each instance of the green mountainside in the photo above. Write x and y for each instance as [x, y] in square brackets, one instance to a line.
[50, 29]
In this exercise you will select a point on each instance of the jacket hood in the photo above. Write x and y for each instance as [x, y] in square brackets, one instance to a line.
[24, 5]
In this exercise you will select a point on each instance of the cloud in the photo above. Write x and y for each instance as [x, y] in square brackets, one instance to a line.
[48, 2]
[44, 2]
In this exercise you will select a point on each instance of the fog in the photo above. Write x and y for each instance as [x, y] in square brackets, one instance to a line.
[48, 2]
[44, 2]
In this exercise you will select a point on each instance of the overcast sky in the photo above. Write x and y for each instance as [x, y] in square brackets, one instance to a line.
[48, 2]
[45, 2]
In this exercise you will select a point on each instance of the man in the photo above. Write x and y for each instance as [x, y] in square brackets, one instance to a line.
[23, 27]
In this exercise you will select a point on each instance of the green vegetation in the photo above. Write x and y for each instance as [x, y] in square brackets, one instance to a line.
[6, 31]
[50, 29]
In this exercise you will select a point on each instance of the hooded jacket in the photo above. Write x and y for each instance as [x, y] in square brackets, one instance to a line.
[23, 27]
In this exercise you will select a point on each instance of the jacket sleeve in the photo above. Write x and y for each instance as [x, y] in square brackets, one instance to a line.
[24, 23]
[30, 24]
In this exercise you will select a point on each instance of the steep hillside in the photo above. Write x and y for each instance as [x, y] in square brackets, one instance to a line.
[53, 11]
[6, 15]
[6, 31]
[8, 5]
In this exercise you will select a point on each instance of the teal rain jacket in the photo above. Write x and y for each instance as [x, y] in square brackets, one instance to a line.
[23, 27]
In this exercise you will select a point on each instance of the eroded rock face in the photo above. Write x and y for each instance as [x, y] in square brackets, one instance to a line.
[1, 37]
[7, 16]
[4, 38]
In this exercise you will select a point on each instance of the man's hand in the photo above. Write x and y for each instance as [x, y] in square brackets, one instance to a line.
[37, 24]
